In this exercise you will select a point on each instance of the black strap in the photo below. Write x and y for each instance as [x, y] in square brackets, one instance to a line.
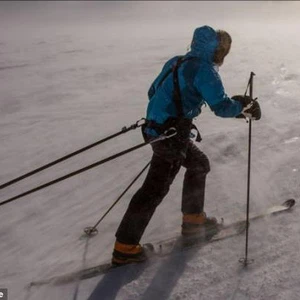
[198, 136]
[176, 90]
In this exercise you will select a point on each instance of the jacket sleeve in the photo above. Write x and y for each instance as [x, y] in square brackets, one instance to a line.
[210, 86]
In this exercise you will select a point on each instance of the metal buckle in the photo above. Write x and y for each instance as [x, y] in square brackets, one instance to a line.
[139, 122]
[170, 132]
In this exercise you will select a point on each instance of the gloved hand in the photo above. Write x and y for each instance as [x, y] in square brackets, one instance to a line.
[251, 108]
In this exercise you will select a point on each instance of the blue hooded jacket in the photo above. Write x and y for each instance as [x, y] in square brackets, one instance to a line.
[199, 83]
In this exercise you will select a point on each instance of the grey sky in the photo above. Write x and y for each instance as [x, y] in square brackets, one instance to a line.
[30, 12]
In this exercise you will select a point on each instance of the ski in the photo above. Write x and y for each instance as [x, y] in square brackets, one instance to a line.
[170, 246]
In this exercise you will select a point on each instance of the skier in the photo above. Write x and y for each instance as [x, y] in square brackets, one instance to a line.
[175, 98]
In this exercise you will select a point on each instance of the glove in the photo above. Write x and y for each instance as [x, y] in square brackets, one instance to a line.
[251, 108]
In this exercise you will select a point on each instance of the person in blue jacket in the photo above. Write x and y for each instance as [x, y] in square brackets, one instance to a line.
[176, 96]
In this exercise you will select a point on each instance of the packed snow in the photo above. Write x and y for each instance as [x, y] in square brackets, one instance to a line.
[72, 73]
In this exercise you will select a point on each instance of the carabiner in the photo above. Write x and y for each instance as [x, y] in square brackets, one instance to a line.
[139, 124]
[170, 132]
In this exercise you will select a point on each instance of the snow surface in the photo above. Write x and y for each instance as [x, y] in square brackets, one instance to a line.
[72, 73]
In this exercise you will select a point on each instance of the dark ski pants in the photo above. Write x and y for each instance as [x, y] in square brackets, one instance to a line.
[163, 169]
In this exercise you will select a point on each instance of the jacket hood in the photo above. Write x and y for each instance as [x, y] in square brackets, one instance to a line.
[204, 43]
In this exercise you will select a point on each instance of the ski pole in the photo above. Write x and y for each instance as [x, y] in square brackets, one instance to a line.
[245, 260]
[168, 134]
[89, 231]
[125, 129]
